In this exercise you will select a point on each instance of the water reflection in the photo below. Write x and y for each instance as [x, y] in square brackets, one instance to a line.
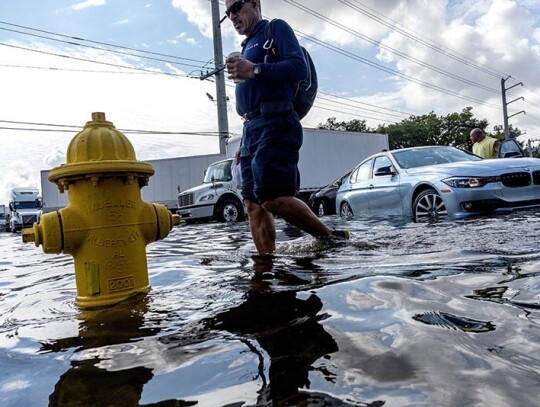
[87, 384]
[287, 328]
[84, 384]
[108, 326]
[402, 314]
[447, 320]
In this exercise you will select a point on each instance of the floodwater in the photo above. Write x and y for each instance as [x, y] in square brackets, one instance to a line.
[403, 314]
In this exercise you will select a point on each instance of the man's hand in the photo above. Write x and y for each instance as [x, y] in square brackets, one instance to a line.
[239, 68]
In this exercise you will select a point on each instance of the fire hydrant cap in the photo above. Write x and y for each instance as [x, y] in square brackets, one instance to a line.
[99, 148]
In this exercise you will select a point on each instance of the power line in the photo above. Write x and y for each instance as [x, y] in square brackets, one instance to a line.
[104, 49]
[355, 104]
[409, 33]
[391, 71]
[390, 49]
[92, 61]
[78, 70]
[70, 42]
[73, 128]
[93, 42]
[333, 109]
[364, 103]
[341, 104]
[171, 74]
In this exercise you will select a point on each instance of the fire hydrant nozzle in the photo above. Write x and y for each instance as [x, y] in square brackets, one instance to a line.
[106, 225]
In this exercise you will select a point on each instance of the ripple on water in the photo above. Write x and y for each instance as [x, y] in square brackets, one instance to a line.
[402, 314]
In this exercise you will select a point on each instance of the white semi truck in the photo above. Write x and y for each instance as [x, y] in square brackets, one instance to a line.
[218, 197]
[3, 218]
[25, 208]
[325, 155]
[171, 176]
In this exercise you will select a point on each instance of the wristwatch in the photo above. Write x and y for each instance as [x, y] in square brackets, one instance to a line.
[256, 70]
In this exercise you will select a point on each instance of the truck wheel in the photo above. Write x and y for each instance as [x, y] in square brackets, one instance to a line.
[230, 211]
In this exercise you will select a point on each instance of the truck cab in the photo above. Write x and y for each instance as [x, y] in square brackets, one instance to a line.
[218, 197]
[25, 208]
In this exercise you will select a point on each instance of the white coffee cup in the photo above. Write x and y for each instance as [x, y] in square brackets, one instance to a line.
[236, 54]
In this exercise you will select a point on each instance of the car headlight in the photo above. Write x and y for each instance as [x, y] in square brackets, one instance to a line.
[205, 198]
[468, 182]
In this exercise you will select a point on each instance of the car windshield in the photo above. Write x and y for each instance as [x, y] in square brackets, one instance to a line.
[432, 156]
[218, 172]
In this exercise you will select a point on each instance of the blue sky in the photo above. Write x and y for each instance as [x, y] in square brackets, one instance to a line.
[378, 61]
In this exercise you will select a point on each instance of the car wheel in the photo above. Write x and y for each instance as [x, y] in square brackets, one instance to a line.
[345, 211]
[230, 211]
[428, 206]
[321, 209]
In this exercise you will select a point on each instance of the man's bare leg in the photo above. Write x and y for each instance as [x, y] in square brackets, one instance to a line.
[297, 213]
[263, 230]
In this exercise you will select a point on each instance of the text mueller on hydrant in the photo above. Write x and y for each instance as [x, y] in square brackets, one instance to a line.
[106, 225]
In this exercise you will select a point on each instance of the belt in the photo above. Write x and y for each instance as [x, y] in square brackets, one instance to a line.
[251, 115]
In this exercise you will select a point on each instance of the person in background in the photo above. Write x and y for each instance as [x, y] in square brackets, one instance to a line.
[272, 134]
[236, 171]
[484, 146]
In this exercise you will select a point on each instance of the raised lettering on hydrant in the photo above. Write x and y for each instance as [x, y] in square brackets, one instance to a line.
[106, 225]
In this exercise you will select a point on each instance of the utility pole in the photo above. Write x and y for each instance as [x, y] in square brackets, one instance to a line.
[505, 104]
[221, 95]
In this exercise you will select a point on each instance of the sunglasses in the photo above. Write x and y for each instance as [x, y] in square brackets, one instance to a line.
[235, 8]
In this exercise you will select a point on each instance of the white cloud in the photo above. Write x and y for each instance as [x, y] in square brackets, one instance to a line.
[122, 22]
[198, 13]
[56, 156]
[183, 37]
[130, 100]
[15, 385]
[88, 3]
[501, 35]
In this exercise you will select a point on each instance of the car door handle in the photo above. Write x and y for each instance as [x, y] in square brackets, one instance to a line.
[371, 186]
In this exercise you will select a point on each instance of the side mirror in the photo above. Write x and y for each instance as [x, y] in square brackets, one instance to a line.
[384, 171]
[510, 148]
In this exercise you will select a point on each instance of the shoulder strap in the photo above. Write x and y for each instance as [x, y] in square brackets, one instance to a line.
[269, 45]
[269, 35]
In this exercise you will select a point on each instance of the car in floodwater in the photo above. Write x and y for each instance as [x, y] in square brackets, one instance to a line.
[434, 182]
[323, 201]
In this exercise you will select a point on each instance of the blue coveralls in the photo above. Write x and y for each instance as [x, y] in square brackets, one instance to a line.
[273, 135]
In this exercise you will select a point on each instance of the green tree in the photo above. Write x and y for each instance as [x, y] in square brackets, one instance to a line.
[353, 125]
[430, 129]
[414, 131]
[498, 132]
[457, 128]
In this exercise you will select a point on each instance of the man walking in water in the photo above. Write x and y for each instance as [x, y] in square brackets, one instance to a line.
[272, 134]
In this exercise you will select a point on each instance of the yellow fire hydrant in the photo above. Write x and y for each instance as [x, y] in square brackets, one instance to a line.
[106, 225]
